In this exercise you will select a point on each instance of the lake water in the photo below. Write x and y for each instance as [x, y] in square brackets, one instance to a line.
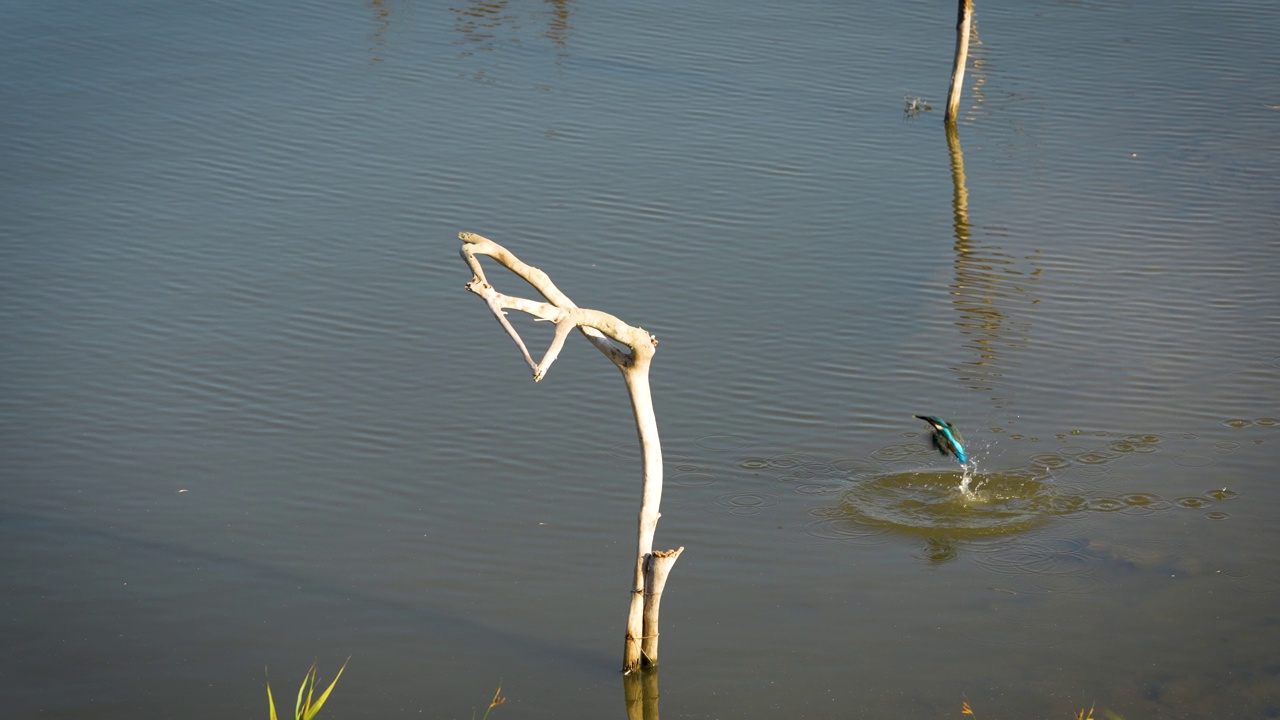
[249, 417]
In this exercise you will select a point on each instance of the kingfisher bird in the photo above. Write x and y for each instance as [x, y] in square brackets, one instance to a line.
[946, 439]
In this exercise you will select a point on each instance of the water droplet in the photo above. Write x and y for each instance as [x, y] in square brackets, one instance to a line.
[792, 461]
[1194, 461]
[1142, 499]
[898, 452]
[721, 442]
[745, 503]
[693, 479]
[1106, 504]
[853, 465]
[1049, 461]
[1096, 457]
[1224, 448]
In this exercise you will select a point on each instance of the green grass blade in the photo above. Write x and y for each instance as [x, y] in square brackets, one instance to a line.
[271, 703]
[312, 710]
[308, 682]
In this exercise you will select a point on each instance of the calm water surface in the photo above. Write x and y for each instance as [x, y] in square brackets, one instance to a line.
[249, 417]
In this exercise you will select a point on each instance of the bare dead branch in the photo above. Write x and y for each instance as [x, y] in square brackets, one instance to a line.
[630, 349]
[598, 327]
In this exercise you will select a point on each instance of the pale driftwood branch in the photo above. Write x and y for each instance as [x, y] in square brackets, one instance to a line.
[599, 327]
[657, 567]
[631, 349]
[964, 23]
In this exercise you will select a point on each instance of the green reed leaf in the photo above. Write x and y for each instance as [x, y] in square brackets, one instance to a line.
[271, 703]
[312, 710]
[308, 681]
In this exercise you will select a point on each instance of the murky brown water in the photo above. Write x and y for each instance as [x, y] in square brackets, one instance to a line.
[249, 416]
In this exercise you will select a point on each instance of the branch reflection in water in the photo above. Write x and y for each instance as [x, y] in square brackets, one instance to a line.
[987, 282]
[640, 692]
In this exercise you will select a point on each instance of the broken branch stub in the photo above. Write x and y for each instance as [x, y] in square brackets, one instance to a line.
[630, 349]
[657, 567]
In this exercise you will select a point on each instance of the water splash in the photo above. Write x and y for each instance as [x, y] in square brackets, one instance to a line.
[967, 475]
[902, 489]
[955, 503]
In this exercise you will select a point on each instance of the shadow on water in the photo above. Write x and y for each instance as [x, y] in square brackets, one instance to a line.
[450, 630]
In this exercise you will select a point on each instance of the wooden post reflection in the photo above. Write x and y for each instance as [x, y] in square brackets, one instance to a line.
[980, 319]
[640, 690]
[381, 20]
[987, 281]
[959, 193]
[480, 21]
